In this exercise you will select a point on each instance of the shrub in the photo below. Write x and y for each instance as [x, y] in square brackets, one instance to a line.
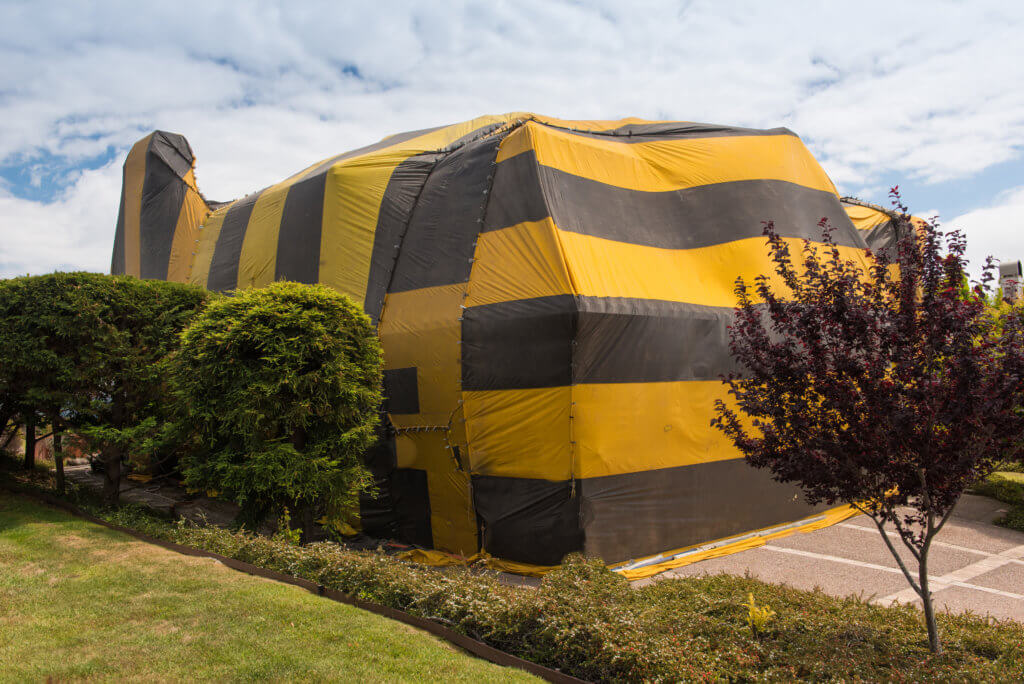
[145, 318]
[1002, 487]
[281, 386]
[81, 351]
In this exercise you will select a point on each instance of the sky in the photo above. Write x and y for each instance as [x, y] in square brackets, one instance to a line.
[925, 95]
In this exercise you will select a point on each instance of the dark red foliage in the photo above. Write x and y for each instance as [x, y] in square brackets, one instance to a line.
[889, 382]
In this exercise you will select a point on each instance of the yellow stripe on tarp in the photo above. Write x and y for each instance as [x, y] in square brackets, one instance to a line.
[421, 329]
[618, 428]
[258, 257]
[670, 164]
[352, 199]
[522, 262]
[519, 433]
[134, 180]
[865, 218]
[208, 234]
[525, 261]
[631, 427]
[185, 245]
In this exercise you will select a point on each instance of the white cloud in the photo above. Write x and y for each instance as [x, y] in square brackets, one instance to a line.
[920, 89]
[73, 233]
[996, 230]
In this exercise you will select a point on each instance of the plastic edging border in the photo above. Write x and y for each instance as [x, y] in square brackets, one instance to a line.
[477, 648]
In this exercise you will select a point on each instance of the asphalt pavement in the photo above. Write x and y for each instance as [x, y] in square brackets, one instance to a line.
[974, 565]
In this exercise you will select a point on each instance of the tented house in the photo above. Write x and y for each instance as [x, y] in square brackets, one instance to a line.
[552, 298]
[880, 227]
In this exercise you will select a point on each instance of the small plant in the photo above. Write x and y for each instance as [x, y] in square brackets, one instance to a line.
[758, 617]
[285, 532]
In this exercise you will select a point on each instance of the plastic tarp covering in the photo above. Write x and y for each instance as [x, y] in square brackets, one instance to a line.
[878, 226]
[161, 210]
[553, 300]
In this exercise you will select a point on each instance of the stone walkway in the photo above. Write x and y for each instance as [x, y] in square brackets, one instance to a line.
[167, 499]
[975, 565]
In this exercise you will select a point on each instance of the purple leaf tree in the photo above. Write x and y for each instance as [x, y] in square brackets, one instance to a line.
[888, 384]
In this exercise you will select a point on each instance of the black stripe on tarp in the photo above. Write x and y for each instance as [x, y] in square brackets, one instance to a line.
[428, 221]
[883, 238]
[516, 195]
[639, 514]
[402, 391]
[410, 496]
[670, 130]
[399, 138]
[477, 648]
[529, 343]
[526, 520]
[396, 207]
[163, 193]
[173, 150]
[631, 515]
[518, 344]
[676, 219]
[438, 246]
[117, 260]
[298, 237]
[228, 250]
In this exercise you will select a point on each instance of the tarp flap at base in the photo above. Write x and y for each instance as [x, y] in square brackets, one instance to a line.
[650, 566]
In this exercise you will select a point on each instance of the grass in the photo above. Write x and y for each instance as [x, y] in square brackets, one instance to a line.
[78, 601]
[1008, 487]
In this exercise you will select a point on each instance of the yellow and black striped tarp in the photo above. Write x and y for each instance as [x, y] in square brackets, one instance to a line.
[879, 227]
[553, 300]
[161, 210]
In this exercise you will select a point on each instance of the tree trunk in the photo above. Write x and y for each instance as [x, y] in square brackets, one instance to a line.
[6, 435]
[58, 460]
[306, 521]
[926, 603]
[307, 524]
[30, 444]
[111, 475]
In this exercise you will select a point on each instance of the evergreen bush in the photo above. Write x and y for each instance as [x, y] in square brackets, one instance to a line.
[281, 388]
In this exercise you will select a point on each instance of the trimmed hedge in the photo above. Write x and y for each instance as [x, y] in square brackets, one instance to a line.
[1006, 486]
[282, 387]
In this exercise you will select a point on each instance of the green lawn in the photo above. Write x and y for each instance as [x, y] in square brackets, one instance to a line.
[79, 601]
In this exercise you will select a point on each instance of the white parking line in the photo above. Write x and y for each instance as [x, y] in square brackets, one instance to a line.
[958, 577]
[956, 547]
[953, 579]
[835, 559]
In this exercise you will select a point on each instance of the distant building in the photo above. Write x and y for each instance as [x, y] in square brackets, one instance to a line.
[1010, 280]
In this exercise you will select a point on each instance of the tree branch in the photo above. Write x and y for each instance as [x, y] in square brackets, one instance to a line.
[947, 515]
[895, 554]
[904, 534]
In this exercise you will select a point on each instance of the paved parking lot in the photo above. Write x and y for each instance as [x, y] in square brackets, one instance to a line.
[975, 565]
